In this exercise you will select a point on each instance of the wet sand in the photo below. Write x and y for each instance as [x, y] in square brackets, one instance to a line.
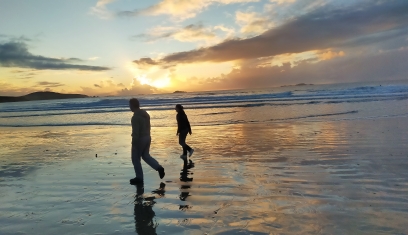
[343, 177]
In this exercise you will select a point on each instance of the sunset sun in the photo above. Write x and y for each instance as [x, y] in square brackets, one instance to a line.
[162, 82]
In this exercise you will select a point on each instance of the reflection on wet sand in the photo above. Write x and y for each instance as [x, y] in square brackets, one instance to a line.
[145, 221]
[346, 177]
[185, 176]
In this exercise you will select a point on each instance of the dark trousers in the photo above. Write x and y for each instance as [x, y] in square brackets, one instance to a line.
[182, 141]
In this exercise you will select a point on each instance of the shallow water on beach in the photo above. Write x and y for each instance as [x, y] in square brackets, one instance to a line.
[332, 177]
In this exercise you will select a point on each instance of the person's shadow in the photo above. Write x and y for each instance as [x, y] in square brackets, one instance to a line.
[185, 176]
[143, 210]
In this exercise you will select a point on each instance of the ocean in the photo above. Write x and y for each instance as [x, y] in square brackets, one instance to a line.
[310, 103]
[310, 159]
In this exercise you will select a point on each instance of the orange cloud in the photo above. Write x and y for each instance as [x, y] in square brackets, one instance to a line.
[383, 66]
[318, 30]
[328, 55]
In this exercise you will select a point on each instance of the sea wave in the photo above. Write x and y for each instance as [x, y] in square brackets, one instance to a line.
[310, 102]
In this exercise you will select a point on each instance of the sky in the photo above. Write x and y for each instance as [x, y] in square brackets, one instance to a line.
[128, 47]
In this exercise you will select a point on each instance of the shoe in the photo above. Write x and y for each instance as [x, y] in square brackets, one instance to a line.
[161, 172]
[190, 152]
[135, 181]
[183, 156]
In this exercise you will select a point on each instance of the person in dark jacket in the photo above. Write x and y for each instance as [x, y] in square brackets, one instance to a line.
[141, 142]
[183, 127]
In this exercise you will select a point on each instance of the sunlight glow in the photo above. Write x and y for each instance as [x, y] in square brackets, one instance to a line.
[161, 82]
[142, 79]
[158, 83]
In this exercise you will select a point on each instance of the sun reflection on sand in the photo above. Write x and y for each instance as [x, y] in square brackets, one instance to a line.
[293, 177]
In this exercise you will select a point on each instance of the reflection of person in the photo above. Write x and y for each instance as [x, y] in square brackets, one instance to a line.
[143, 211]
[186, 171]
[184, 178]
[183, 127]
[141, 142]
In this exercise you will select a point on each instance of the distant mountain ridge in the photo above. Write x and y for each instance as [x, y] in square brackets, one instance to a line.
[41, 95]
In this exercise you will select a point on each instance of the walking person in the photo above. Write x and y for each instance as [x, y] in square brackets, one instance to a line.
[141, 142]
[183, 127]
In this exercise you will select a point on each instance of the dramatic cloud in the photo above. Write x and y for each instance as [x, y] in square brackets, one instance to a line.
[363, 24]
[16, 54]
[180, 9]
[390, 65]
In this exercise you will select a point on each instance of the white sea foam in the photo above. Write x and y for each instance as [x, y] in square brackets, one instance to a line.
[219, 107]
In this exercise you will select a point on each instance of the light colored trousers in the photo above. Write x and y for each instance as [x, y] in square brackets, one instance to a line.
[141, 150]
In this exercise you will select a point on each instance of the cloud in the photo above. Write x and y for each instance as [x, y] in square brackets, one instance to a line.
[137, 88]
[279, 2]
[18, 71]
[111, 88]
[100, 9]
[180, 9]
[16, 54]
[93, 58]
[287, 9]
[103, 88]
[27, 76]
[24, 74]
[390, 65]
[49, 84]
[229, 31]
[7, 89]
[324, 28]
[330, 55]
[145, 62]
[21, 38]
[189, 33]
[252, 22]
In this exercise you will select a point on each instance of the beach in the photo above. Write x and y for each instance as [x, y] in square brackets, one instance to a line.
[294, 177]
[295, 114]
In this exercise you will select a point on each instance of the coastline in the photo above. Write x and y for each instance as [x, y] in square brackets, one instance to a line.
[40, 95]
[343, 177]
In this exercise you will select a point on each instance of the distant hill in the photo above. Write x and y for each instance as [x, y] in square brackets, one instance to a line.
[41, 95]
